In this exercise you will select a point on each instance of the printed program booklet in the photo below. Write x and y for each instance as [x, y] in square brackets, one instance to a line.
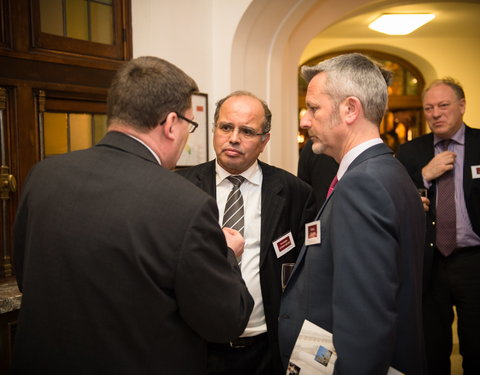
[314, 353]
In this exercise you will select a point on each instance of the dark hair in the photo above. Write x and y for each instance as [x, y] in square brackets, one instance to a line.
[449, 81]
[145, 90]
[267, 122]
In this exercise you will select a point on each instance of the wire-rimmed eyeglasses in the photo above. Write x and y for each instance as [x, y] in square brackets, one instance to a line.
[243, 131]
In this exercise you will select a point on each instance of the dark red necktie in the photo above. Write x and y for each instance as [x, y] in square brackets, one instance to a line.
[446, 232]
[332, 186]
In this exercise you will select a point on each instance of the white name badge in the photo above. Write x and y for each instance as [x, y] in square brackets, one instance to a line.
[312, 233]
[283, 244]
[475, 171]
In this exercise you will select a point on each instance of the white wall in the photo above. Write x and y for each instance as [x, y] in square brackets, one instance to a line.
[256, 45]
[195, 35]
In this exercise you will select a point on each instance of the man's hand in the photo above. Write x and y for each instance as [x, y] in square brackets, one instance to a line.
[440, 164]
[426, 203]
[235, 241]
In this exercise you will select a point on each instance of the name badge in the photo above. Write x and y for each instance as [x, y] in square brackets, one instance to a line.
[283, 244]
[475, 171]
[312, 233]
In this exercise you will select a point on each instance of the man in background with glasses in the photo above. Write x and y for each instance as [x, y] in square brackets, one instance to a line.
[122, 264]
[451, 152]
[276, 205]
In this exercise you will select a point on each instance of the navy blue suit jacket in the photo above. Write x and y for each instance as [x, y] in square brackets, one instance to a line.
[363, 281]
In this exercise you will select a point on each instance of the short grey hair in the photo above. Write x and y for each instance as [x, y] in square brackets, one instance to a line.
[354, 74]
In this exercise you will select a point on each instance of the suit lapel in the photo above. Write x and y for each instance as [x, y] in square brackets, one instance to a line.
[304, 248]
[272, 207]
[373, 151]
[205, 179]
[470, 158]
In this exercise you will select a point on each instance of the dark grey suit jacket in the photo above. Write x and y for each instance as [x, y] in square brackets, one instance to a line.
[363, 281]
[123, 267]
[287, 204]
[415, 154]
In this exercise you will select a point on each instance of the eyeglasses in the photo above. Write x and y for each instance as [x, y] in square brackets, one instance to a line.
[192, 125]
[243, 131]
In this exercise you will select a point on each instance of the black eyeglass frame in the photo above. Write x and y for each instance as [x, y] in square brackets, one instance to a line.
[191, 122]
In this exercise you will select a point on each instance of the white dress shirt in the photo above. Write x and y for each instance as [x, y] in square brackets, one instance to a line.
[251, 190]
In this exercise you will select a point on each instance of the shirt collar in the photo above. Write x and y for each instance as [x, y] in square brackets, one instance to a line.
[351, 155]
[252, 174]
[458, 137]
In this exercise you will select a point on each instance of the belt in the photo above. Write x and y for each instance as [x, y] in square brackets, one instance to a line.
[243, 342]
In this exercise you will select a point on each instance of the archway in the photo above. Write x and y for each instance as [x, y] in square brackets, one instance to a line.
[267, 50]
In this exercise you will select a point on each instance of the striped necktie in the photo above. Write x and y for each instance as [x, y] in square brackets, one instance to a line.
[233, 214]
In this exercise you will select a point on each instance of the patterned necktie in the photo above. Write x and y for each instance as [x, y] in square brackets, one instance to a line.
[332, 186]
[233, 214]
[446, 231]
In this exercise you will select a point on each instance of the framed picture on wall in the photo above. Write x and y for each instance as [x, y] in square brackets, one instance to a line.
[196, 148]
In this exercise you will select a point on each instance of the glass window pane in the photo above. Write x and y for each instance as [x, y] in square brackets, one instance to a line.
[412, 84]
[80, 131]
[51, 17]
[396, 88]
[100, 127]
[101, 18]
[77, 19]
[55, 132]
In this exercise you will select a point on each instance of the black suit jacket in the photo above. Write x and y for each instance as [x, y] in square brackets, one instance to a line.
[287, 205]
[415, 154]
[123, 267]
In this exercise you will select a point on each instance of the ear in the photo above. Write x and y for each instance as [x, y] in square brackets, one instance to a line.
[463, 104]
[265, 141]
[169, 127]
[351, 108]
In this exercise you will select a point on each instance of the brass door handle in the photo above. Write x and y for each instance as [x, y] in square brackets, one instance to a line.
[8, 184]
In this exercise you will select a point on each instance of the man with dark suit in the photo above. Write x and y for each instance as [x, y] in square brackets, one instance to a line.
[276, 204]
[122, 264]
[452, 267]
[361, 278]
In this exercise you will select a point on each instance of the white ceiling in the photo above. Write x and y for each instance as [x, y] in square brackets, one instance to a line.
[453, 19]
